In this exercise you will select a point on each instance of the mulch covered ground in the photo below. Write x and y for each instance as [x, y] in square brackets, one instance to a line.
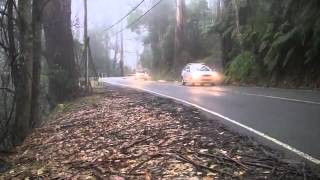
[127, 134]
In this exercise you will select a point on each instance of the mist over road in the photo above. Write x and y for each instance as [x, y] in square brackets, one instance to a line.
[290, 116]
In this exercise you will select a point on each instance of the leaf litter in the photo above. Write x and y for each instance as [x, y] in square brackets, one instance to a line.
[126, 134]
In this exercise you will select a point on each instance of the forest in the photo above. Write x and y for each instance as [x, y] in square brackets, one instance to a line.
[44, 63]
[50, 61]
[266, 43]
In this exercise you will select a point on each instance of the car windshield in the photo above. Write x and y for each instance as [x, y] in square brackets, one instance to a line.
[202, 68]
[205, 68]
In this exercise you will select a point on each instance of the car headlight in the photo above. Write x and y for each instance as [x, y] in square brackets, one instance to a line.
[215, 74]
[196, 76]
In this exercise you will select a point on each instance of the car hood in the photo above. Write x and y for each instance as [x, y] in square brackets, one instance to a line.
[203, 72]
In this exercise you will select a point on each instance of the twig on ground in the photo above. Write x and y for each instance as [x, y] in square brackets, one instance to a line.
[143, 162]
[138, 142]
[257, 164]
[226, 157]
[184, 159]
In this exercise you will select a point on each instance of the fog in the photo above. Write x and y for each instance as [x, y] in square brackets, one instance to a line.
[103, 13]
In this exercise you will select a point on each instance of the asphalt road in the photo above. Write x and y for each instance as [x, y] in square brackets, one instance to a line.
[291, 117]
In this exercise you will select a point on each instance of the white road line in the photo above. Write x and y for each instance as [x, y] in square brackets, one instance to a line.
[284, 145]
[281, 98]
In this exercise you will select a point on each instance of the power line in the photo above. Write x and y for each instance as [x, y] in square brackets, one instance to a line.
[139, 18]
[136, 7]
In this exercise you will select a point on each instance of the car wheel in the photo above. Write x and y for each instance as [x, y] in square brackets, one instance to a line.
[182, 82]
[212, 84]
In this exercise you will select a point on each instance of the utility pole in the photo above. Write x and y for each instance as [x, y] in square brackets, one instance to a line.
[85, 51]
[121, 56]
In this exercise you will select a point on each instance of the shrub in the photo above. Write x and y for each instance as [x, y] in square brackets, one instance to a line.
[243, 68]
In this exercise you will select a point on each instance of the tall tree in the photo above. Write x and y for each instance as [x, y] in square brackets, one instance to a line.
[237, 20]
[116, 51]
[179, 31]
[86, 43]
[218, 7]
[63, 75]
[6, 139]
[37, 51]
[22, 72]
[121, 56]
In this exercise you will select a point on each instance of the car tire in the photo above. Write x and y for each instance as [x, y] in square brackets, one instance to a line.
[212, 84]
[183, 82]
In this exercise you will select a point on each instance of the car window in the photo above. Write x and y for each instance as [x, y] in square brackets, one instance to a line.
[187, 69]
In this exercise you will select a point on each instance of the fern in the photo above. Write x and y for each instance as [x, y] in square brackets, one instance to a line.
[228, 31]
[271, 58]
[243, 68]
[289, 56]
[285, 38]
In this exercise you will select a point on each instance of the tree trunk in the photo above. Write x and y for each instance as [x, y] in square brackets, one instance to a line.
[86, 43]
[179, 32]
[63, 76]
[116, 49]
[237, 20]
[37, 29]
[22, 73]
[218, 5]
[121, 57]
[226, 41]
[6, 135]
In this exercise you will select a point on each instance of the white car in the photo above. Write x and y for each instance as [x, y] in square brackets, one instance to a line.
[199, 73]
[142, 75]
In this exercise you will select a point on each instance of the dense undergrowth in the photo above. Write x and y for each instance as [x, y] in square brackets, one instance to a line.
[283, 38]
[266, 42]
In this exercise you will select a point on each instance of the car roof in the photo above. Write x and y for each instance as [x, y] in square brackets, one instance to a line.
[196, 64]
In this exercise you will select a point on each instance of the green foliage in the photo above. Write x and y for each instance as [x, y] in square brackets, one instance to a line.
[281, 43]
[146, 58]
[132, 18]
[283, 36]
[243, 68]
[159, 40]
[278, 38]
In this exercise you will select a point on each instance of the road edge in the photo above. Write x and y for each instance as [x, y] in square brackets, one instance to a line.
[285, 146]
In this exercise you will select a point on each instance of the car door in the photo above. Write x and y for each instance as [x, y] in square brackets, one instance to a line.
[186, 73]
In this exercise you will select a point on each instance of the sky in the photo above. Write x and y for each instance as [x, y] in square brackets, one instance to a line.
[103, 13]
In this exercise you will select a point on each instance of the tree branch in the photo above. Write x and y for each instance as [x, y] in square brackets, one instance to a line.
[7, 89]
